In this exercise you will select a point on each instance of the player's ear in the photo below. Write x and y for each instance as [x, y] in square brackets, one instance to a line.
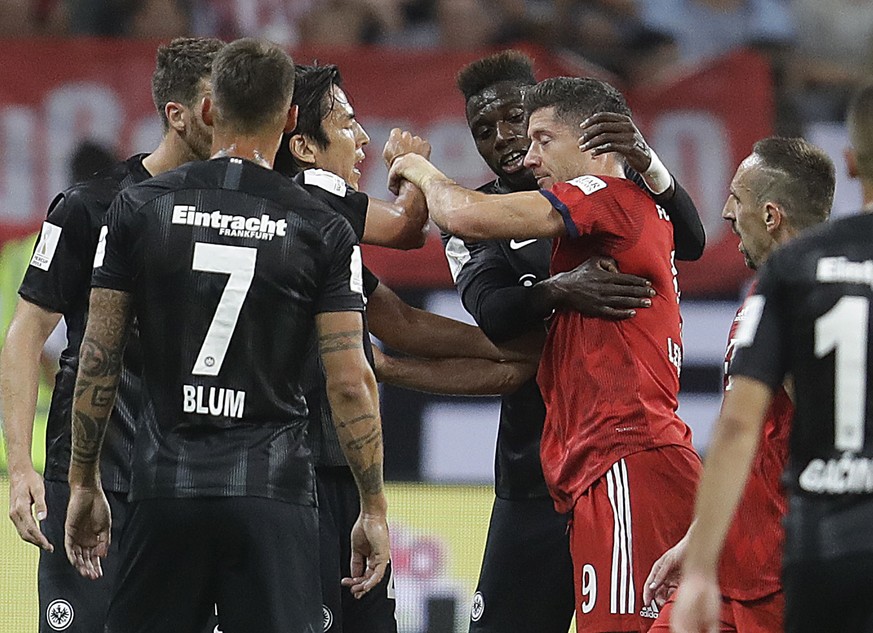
[302, 149]
[175, 113]
[774, 216]
[851, 162]
[291, 122]
[206, 112]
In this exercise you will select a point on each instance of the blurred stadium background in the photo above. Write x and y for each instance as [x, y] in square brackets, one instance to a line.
[706, 78]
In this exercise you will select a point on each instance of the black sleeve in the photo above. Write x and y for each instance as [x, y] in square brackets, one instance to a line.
[490, 290]
[688, 234]
[371, 282]
[114, 265]
[338, 195]
[762, 338]
[342, 288]
[60, 269]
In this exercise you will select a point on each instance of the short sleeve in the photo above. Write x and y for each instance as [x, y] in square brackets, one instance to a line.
[342, 289]
[591, 205]
[338, 195]
[114, 261]
[60, 267]
[761, 342]
[371, 282]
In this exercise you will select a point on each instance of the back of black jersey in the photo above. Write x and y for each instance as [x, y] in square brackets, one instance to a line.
[58, 279]
[810, 319]
[227, 263]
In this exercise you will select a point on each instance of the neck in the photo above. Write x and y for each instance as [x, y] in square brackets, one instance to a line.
[171, 153]
[260, 149]
[606, 165]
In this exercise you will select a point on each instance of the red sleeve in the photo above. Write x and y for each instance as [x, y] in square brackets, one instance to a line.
[603, 207]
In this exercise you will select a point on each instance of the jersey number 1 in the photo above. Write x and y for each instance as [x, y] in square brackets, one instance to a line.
[239, 263]
[843, 330]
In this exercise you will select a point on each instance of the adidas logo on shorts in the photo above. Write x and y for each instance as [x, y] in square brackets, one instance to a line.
[650, 611]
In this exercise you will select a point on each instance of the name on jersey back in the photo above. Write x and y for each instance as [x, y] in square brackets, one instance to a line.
[262, 228]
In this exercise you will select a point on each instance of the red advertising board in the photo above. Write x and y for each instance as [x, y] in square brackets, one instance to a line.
[54, 94]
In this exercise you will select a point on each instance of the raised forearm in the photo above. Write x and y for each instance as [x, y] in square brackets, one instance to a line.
[400, 224]
[19, 379]
[100, 363]
[455, 376]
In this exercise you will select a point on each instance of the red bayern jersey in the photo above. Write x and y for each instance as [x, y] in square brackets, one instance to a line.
[751, 564]
[610, 387]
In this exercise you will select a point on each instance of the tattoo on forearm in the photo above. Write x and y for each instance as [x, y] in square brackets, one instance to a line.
[342, 424]
[87, 438]
[103, 396]
[97, 361]
[340, 342]
[373, 437]
[371, 480]
[340, 347]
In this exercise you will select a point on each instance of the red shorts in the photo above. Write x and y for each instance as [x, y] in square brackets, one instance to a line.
[766, 615]
[622, 524]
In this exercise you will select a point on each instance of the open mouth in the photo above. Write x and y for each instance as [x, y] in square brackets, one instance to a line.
[512, 162]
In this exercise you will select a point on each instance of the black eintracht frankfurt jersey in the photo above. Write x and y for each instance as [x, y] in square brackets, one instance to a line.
[352, 205]
[227, 264]
[59, 280]
[493, 278]
[810, 318]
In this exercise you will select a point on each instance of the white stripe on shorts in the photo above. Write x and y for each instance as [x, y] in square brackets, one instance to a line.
[622, 596]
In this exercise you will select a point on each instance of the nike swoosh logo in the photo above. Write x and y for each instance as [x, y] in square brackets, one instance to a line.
[517, 245]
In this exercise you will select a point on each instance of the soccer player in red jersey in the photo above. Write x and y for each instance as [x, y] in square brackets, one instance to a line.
[782, 188]
[614, 452]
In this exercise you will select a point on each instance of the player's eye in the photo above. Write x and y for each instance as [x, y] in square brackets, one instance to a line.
[483, 134]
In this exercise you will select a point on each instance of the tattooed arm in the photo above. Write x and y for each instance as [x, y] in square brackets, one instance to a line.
[87, 528]
[354, 403]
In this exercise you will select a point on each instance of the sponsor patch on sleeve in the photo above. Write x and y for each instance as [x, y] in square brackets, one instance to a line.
[100, 254]
[48, 244]
[356, 279]
[588, 184]
[326, 180]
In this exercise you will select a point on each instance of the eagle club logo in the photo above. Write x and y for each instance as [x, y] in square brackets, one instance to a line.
[326, 618]
[59, 615]
[478, 607]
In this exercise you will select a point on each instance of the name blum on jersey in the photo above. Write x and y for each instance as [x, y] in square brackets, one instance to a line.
[841, 270]
[262, 228]
[218, 401]
[846, 475]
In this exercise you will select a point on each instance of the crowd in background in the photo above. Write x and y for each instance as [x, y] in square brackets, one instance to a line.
[820, 49]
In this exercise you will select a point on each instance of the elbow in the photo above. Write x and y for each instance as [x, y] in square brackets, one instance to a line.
[693, 252]
[415, 237]
[351, 387]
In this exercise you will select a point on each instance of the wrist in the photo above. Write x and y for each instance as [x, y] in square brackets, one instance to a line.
[656, 177]
[374, 506]
[546, 295]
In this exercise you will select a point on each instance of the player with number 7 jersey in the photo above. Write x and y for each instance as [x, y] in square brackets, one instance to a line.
[217, 256]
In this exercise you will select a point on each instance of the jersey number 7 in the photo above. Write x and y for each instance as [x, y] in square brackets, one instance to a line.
[239, 263]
